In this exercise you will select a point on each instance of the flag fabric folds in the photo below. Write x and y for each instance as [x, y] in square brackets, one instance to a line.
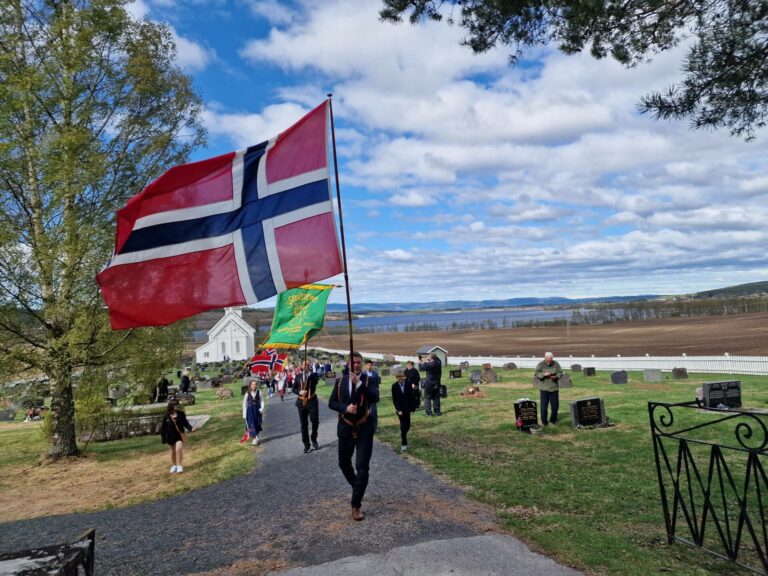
[299, 314]
[228, 231]
[267, 361]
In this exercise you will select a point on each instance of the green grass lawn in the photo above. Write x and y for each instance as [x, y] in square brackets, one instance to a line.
[589, 498]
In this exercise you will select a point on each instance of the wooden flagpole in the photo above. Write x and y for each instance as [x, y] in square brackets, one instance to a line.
[341, 228]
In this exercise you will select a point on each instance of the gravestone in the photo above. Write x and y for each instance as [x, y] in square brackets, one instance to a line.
[475, 376]
[575, 367]
[489, 376]
[389, 358]
[619, 377]
[565, 381]
[680, 373]
[726, 393]
[526, 415]
[455, 373]
[652, 375]
[115, 393]
[464, 365]
[588, 412]
[510, 366]
[589, 371]
[203, 385]
[384, 372]
[7, 415]
[487, 366]
[243, 390]
[227, 379]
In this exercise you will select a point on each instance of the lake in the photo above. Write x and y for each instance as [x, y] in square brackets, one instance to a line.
[453, 320]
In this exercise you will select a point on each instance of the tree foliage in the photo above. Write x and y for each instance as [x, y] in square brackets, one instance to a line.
[92, 108]
[724, 75]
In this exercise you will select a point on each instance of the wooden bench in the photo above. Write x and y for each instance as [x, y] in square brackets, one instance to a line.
[63, 559]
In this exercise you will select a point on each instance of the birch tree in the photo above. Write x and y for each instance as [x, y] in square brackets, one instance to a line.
[92, 108]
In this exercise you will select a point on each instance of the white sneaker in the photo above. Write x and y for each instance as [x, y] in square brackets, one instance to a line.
[179, 469]
[255, 441]
[173, 469]
[404, 448]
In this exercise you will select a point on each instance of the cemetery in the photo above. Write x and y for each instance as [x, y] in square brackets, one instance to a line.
[615, 481]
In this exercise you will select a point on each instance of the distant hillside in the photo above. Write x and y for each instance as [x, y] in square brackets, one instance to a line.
[476, 305]
[750, 289]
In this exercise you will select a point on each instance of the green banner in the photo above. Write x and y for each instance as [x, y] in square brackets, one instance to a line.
[299, 314]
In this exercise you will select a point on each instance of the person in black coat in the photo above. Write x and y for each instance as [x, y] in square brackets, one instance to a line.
[405, 402]
[185, 383]
[352, 397]
[412, 378]
[162, 390]
[304, 387]
[434, 370]
[174, 422]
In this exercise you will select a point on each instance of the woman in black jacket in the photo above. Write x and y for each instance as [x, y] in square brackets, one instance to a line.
[174, 422]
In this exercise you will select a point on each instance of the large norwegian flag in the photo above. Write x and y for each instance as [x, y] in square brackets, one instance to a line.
[228, 231]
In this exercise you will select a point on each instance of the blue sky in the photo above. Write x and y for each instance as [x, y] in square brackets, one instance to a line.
[465, 178]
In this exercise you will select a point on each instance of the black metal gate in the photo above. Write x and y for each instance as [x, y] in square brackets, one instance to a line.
[711, 467]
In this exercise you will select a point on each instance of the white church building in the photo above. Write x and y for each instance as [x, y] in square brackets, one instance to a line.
[231, 337]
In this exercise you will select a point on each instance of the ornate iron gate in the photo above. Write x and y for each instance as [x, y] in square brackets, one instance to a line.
[711, 467]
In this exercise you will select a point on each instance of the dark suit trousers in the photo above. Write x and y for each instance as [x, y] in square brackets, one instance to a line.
[361, 447]
[305, 414]
[553, 399]
[405, 425]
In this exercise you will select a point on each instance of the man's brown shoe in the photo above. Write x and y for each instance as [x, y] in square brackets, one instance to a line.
[357, 514]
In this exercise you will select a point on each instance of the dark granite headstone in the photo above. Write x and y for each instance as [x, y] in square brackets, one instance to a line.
[455, 373]
[487, 366]
[475, 376]
[587, 412]
[652, 375]
[510, 366]
[680, 373]
[619, 377]
[565, 381]
[464, 365]
[7, 415]
[575, 367]
[589, 371]
[526, 415]
[243, 390]
[726, 392]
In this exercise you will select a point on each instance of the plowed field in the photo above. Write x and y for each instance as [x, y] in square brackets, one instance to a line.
[744, 334]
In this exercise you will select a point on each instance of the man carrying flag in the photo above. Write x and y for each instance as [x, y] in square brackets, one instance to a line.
[304, 387]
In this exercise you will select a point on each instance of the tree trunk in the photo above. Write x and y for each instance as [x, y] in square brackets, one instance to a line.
[63, 440]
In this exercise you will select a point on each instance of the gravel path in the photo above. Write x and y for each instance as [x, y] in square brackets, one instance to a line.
[292, 510]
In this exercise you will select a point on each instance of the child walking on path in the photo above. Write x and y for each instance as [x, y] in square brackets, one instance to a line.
[253, 406]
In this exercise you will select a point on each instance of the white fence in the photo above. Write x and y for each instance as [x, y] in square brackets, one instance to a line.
[702, 364]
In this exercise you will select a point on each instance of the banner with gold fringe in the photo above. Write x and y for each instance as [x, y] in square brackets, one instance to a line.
[299, 314]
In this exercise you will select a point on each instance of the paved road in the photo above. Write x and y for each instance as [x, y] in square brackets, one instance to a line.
[292, 513]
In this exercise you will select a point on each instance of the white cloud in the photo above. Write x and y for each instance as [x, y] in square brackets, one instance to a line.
[398, 254]
[245, 129]
[412, 199]
[273, 11]
[190, 55]
[138, 9]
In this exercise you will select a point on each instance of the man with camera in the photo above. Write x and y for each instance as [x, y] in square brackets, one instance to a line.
[548, 374]
[434, 370]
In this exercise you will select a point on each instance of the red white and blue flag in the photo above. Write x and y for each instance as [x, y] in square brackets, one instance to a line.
[267, 362]
[228, 231]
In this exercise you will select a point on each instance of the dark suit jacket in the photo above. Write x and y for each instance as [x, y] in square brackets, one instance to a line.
[340, 399]
[404, 402]
[312, 380]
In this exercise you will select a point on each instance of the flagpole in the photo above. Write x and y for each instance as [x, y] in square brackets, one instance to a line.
[341, 228]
